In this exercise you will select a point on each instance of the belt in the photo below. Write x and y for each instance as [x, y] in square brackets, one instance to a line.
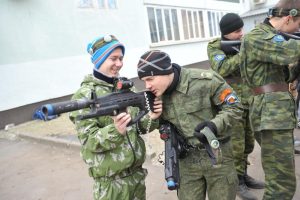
[272, 87]
[233, 80]
[122, 174]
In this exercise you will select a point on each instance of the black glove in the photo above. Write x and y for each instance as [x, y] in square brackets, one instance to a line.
[201, 137]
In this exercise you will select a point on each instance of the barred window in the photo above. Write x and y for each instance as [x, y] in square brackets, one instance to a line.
[213, 22]
[201, 24]
[85, 4]
[152, 25]
[180, 24]
[163, 24]
[175, 24]
[101, 4]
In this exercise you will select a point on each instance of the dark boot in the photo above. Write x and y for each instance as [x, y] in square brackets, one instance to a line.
[252, 183]
[243, 191]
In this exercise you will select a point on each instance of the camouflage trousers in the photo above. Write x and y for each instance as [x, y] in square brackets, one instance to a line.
[131, 187]
[242, 139]
[198, 177]
[277, 155]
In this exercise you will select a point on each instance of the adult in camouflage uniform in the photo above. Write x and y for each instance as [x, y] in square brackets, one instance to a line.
[195, 99]
[226, 63]
[114, 153]
[265, 57]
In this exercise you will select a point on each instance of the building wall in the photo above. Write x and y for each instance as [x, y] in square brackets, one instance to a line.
[253, 14]
[251, 22]
[43, 43]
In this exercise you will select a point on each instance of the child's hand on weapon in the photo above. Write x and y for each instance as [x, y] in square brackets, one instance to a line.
[121, 121]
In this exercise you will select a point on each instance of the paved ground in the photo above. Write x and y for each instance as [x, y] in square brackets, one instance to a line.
[34, 171]
[54, 170]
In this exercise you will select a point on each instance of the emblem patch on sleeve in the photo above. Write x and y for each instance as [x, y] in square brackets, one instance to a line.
[219, 57]
[231, 99]
[278, 39]
[227, 96]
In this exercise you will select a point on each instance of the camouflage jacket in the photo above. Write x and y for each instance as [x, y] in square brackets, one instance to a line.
[228, 67]
[105, 150]
[265, 56]
[200, 96]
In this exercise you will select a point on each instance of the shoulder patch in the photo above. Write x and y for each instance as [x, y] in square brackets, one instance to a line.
[206, 75]
[231, 99]
[227, 96]
[278, 39]
[201, 74]
[219, 57]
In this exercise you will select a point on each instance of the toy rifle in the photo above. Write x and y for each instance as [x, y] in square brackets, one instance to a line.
[168, 134]
[111, 104]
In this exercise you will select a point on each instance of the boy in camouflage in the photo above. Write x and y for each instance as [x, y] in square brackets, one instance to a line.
[114, 153]
[265, 55]
[195, 100]
[227, 65]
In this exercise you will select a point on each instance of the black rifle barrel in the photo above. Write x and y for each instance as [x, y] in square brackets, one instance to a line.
[65, 106]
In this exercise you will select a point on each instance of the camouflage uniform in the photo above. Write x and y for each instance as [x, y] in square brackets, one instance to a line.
[198, 98]
[242, 136]
[265, 55]
[114, 165]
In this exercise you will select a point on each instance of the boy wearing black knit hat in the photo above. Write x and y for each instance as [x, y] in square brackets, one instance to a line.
[227, 63]
[197, 102]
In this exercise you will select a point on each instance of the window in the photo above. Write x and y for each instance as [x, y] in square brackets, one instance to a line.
[185, 24]
[201, 24]
[210, 23]
[163, 24]
[190, 24]
[218, 20]
[165, 27]
[191, 29]
[232, 1]
[112, 4]
[175, 24]
[85, 4]
[196, 24]
[152, 25]
[168, 24]
[101, 4]
[161, 28]
[213, 23]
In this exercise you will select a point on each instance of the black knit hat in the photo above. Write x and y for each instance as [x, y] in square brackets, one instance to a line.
[230, 23]
[154, 63]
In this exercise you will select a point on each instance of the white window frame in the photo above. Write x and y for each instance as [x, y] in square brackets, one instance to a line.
[165, 33]
[84, 4]
[194, 32]
[215, 32]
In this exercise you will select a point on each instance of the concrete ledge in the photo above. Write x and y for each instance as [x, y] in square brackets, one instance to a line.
[58, 142]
